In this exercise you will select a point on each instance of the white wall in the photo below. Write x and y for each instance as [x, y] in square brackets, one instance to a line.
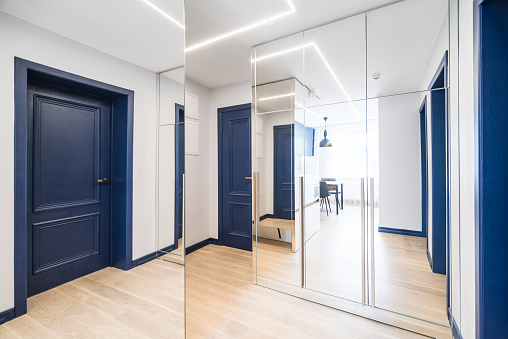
[198, 207]
[223, 96]
[399, 162]
[33, 43]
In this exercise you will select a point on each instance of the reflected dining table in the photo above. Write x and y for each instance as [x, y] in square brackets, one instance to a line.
[336, 185]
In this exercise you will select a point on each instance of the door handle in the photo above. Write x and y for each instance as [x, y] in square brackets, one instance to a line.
[105, 180]
[249, 178]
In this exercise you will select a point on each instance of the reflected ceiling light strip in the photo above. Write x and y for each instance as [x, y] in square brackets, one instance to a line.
[308, 110]
[163, 13]
[337, 80]
[324, 61]
[243, 29]
[277, 96]
[281, 52]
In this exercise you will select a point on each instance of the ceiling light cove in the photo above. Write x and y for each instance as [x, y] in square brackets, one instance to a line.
[242, 29]
[166, 15]
[277, 96]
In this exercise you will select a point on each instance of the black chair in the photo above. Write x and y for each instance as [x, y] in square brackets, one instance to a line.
[332, 189]
[324, 195]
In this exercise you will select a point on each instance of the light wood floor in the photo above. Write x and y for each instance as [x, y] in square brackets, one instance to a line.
[404, 282]
[145, 302]
[222, 302]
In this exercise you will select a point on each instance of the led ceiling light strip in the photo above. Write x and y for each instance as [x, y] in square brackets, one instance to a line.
[163, 13]
[243, 29]
[277, 96]
[313, 44]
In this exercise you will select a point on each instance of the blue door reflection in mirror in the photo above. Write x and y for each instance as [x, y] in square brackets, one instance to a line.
[235, 184]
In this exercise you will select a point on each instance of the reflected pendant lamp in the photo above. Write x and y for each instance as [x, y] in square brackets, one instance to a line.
[325, 142]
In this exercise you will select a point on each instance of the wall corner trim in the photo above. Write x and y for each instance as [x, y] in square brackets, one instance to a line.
[6, 316]
[201, 244]
[400, 231]
[151, 256]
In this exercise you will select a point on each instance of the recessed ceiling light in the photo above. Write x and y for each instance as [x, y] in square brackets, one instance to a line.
[243, 29]
[163, 13]
[277, 96]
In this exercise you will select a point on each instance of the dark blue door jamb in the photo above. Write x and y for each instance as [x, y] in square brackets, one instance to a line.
[179, 170]
[122, 104]
[491, 167]
[424, 167]
[439, 146]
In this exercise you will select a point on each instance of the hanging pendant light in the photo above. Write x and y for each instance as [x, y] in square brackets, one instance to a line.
[325, 142]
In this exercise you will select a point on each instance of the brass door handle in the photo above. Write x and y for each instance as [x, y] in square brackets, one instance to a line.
[105, 180]
[248, 178]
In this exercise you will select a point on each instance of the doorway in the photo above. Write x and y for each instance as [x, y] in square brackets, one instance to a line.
[73, 178]
[235, 182]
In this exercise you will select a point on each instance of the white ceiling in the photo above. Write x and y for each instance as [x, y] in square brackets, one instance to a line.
[135, 32]
[227, 61]
[127, 29]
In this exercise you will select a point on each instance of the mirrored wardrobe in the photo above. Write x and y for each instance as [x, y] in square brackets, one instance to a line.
[352, 165]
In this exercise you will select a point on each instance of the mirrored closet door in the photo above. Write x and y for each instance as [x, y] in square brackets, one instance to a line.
[352, 148]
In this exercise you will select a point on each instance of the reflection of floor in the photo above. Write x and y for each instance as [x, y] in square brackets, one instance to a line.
[222, 302]
[404, 281]
[145, 302]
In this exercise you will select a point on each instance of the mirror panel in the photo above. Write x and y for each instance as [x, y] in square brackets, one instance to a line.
[405, 42]
[335, 62]
[279, 60]
[171, 165]
[277, 232]
[334, 171]
[407, 150]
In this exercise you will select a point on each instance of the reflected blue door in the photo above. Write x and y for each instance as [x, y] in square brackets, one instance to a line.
[235, 217]
[283, 160]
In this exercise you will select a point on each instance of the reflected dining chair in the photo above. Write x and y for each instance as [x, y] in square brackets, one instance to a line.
[324, 195]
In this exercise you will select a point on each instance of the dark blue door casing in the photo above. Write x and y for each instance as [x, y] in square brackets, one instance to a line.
[424, 168]
[235, 217]
[68, 209]
[283, 179]
[491, 167]
[179, 170]
[438, 121]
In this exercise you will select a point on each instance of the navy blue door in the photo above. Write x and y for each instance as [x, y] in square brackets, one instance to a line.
[235, 218]
[179, 170]
[283, 161]
[68, 209]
